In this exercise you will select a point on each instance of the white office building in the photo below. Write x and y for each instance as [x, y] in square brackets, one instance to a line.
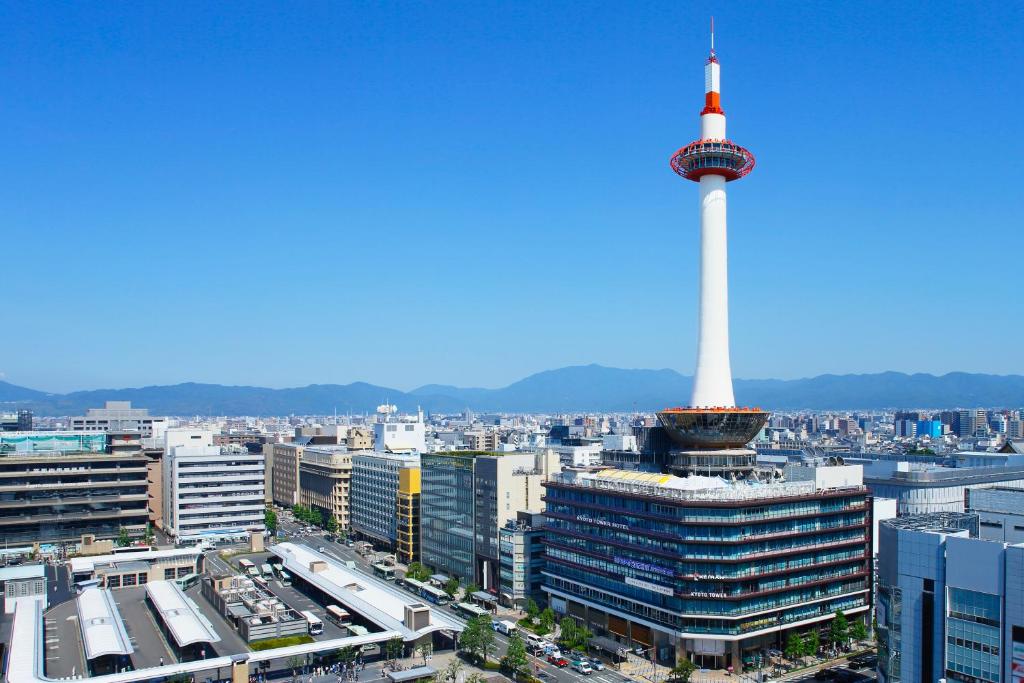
[119, 416]
[400, 434]
[211, 492]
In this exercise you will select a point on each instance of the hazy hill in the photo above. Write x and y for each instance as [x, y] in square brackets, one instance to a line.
[578, 388]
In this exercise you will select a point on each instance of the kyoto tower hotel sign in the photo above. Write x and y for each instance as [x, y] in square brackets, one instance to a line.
[712, 421]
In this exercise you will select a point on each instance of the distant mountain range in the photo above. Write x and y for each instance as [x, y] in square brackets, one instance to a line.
[578, 388]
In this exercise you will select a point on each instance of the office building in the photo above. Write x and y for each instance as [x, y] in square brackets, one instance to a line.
[20, 421]
[375, 486]
[407, 545]
[285, 459]
[121, 417]
[521, 547]
[920, 488]
[467, 497]
[211, 492]
[325, 478]
[56, 496]
[399, 434]
[973, 422]
[1000, 513]
[950, 604]
[704, 568]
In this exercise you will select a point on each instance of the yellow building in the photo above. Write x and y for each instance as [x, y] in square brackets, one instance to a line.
[408, 515]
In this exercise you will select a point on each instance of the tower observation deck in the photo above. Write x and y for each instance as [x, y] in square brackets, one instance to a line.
[712, 422]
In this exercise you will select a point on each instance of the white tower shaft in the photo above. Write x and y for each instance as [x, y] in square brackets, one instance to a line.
[712, 382]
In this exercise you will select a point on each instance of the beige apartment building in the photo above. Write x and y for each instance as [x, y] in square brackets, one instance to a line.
[284, 468]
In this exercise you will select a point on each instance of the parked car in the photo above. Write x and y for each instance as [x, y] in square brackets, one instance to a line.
[321, 549]
[558, 661]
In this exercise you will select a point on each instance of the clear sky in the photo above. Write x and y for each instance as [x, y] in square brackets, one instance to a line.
[469, 192]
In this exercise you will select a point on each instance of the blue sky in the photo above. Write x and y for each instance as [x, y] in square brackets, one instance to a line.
[402, 193]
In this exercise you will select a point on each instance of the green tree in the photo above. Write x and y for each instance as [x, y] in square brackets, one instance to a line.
[148, 534]
[478, 637]
[316, 518]
[859, 631]
[794, 646]
[515, 660]
[122, 538]
[812, 642]
[417, 572]
[567, 632]
[452, 671]
[270, 520]
[394, 648]
[299, 512]
[451, 587]
[532, 610]
[547, 620]
[471, 588]
[839, 629]
[425, 649]
[332, 524]
[682, 671]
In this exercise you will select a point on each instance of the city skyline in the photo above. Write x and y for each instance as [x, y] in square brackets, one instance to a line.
[377, 184]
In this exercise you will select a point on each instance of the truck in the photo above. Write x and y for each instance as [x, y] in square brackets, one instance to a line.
[505, 627]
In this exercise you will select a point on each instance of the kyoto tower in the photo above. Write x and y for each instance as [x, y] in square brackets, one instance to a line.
[713, 431]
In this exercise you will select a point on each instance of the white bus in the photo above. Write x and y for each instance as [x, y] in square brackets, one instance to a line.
[338, 615]
[434, 595]
[286, 579]
[277, 569]
[316, 627]
[471, 610]
[248, 567]
[266, 571]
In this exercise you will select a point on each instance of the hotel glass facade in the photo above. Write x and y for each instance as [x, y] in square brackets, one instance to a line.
[375, 485]
[712, 575]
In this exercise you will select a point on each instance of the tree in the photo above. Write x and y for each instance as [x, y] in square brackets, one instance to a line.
[316, 518]
[859, 631]
[417, 572]
[478, 637]
[682, 671]
[122, 538]
[532, 610]
[515, 659]
[148, 533]
[811, 643]
[452, 671]
[567, 632]
[425, 649]
[794, 646]
[547, 620]
[270, 520]
[332, 524]
[451, 587]
[394, 648]
[471, 588]
[839, 629]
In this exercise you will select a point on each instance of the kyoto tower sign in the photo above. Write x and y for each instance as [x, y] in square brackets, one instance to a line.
[712, 422]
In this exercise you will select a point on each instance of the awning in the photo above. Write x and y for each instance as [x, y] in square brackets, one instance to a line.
[440, 578]
[413, 674]
[484, 596]
[610, 646]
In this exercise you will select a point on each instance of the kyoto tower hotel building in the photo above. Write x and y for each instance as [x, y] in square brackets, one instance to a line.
[707, 556]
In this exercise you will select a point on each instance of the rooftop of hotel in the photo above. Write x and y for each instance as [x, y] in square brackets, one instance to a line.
[693, 487]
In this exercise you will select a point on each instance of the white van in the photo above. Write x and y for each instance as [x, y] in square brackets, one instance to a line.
[506, 627]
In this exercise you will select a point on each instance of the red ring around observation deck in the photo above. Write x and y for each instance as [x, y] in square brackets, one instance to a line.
[712, 157]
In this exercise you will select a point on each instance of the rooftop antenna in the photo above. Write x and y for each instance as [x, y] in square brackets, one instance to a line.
[712, 35]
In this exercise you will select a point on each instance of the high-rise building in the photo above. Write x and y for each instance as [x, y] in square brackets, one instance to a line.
[284, 480]
[466, 497]
[407, 545]
[375, 487]
[949, 603]
[20, 421]
[210, 492]
[325, 477]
